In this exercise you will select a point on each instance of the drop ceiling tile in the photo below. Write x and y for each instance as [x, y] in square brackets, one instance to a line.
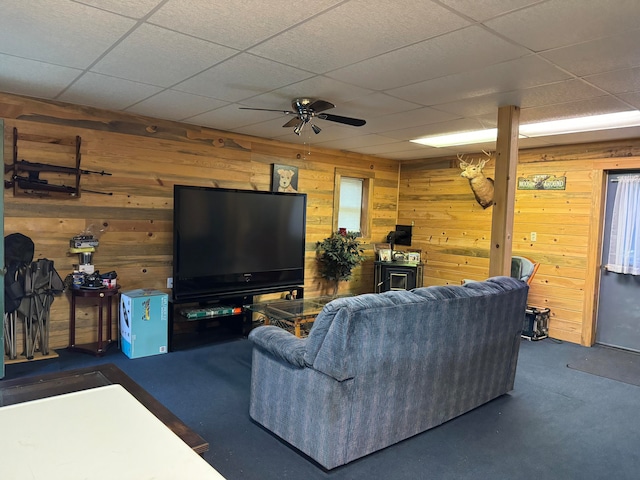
[394, 146]
[481, 106]
[455, 52]
[230, 117]
[269, 129]
[631, 98]
[174, 105]
[412, 118]
[461, 125]
[482, 10]
[560, 92]
[620, 81]
[160, 57]
[106, 92]
[130, 8]
[59, 31]
[581, 108]
[319, 87]
[240, 77]
[236, 24]
[602, 55]
[600, 136]
[555, 93]
[559, 23]
[423, 152]
[38, 79]
[375, 105]
[380, 28]
[516, 74]
[356, 141]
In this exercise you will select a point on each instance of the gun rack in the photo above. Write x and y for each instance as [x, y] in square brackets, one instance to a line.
[63, 179]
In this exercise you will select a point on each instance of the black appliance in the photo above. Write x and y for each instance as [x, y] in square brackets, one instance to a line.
[236, 242]
[396, 276]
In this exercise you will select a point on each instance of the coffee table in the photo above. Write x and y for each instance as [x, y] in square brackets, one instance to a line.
[99, 433]
[290, 314]
[52, 384]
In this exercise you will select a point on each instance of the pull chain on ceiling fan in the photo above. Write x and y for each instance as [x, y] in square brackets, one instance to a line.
[305, 109]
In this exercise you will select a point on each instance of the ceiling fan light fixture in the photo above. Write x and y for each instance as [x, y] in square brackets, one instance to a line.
[305, 109]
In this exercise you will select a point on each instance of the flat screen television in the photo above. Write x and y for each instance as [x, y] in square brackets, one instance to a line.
[236, 242]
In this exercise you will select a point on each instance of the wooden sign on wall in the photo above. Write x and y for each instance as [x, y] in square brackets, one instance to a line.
[542, 182]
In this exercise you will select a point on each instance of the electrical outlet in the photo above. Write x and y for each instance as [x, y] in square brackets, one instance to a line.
[534, 236]
[170, 282]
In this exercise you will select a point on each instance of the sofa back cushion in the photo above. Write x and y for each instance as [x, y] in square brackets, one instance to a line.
[366, 333]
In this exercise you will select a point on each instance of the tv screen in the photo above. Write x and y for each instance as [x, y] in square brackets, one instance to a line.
[229, 241]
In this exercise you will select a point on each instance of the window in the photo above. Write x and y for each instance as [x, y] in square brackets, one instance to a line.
[352, 201]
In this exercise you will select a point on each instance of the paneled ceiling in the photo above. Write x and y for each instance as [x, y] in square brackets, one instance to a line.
[410, 68]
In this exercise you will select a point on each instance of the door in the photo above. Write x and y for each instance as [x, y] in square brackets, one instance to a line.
[2, 251]
[618, 320]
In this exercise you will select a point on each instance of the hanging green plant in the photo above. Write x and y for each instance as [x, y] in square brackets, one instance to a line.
[337, 256]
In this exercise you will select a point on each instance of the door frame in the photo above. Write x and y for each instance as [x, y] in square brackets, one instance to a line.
[596, 235]
[2, 251]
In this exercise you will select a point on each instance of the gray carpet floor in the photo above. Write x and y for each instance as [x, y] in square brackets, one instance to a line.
[558, 422]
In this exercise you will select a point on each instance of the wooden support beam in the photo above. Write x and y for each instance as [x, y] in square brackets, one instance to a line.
[505, 191]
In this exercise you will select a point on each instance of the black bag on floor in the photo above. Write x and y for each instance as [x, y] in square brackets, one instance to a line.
[18, 254]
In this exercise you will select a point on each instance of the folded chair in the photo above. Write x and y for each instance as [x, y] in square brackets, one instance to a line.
[522, 268]
[41, 284]
[18, 254]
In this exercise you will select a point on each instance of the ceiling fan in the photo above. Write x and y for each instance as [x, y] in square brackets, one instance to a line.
[305, 109]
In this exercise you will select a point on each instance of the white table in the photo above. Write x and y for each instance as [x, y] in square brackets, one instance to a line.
[100, 433]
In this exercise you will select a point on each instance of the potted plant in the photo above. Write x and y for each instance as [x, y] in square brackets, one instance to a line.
[337, 256]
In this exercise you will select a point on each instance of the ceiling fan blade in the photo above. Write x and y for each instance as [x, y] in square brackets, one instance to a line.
[320, 106]
[292, 123]
[356, 122]
[286, 112]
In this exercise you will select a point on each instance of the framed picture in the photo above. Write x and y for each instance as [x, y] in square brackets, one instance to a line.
[284, 178]
[384, 254]
[413, 257]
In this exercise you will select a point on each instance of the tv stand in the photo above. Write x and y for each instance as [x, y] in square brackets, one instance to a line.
[197, 321]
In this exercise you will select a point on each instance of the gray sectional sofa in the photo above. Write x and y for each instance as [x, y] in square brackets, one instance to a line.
[379, 368]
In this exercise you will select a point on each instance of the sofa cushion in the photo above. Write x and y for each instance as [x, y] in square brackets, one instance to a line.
[280, 344]
[330, 332]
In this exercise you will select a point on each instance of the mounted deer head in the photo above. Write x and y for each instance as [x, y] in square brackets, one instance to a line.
[482, 186]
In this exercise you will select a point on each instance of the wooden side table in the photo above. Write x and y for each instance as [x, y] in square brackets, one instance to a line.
[101, 346]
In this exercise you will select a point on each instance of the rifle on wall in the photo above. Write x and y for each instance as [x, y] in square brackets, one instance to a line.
[35, 167]
[34, 183]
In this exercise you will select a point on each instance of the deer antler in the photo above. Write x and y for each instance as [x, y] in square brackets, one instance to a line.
[463, 163]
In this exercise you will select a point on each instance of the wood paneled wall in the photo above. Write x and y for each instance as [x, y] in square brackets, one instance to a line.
[146, 157]
[455, 231]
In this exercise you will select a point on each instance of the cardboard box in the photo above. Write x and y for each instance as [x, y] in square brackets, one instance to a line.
[144, 322]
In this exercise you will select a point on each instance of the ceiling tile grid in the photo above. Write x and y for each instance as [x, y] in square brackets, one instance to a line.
[411, 68]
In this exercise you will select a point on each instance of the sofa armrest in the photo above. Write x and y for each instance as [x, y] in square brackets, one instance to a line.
[280, 343]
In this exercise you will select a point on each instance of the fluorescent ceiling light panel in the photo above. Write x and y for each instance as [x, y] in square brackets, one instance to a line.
[542, 129]
[461, 138]
[582, 124]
